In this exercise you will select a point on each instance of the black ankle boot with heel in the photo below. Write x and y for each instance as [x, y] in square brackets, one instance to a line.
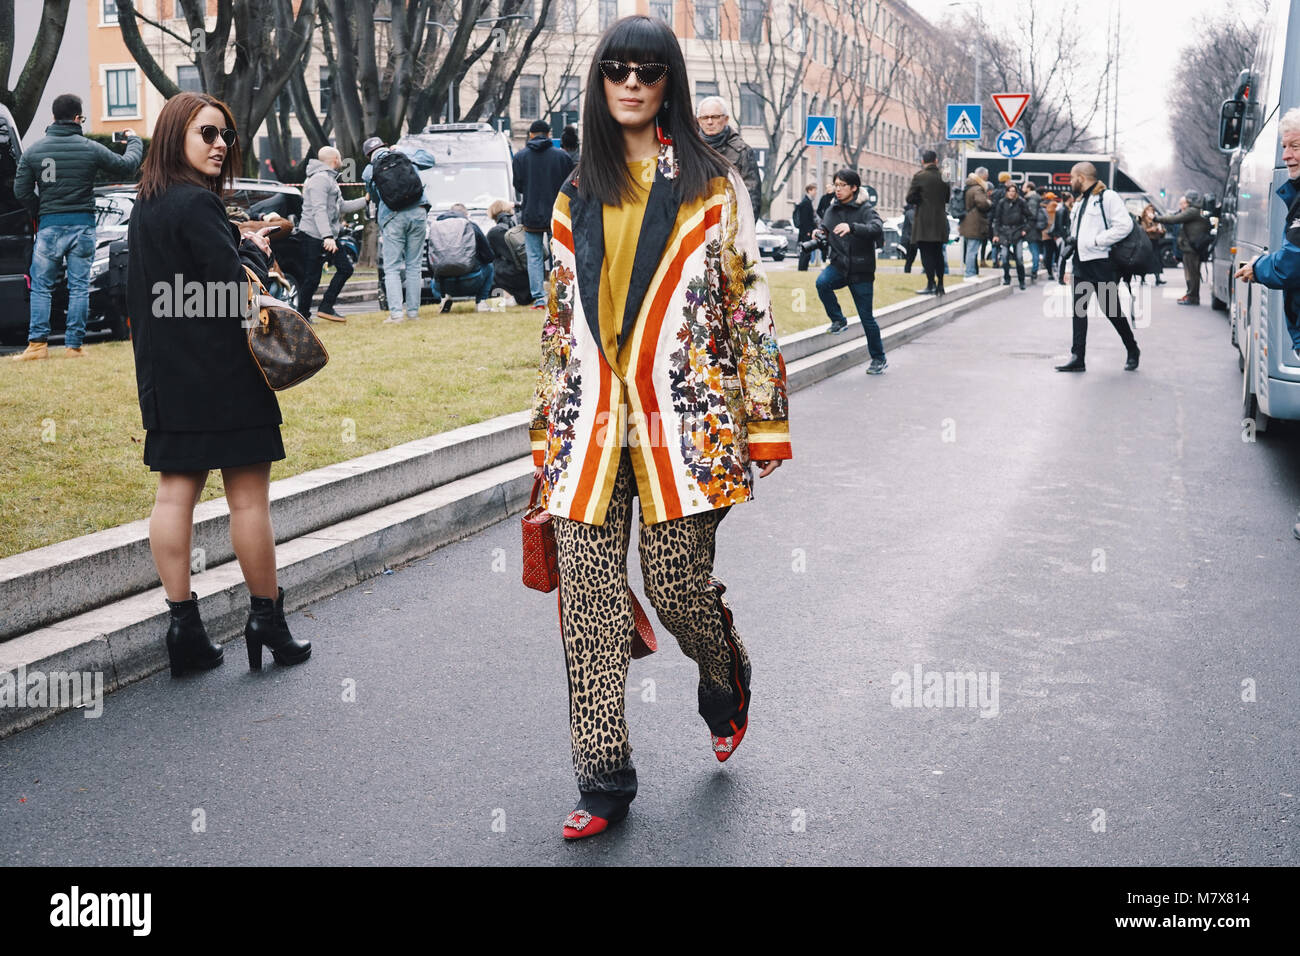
[267, 627]
[188, 644]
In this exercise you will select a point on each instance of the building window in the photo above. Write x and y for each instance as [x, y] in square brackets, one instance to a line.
[704, 88]
[120, 86]
[663, 9]
[530, 96]
[326, 89]
[608, 14]
[570, 93]
[107, 12]
[751, 105]
[706, 19]
[563, 16]
[188, 79]
[751, 20]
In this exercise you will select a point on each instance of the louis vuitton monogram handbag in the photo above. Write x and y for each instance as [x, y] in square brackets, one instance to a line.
[283, 344]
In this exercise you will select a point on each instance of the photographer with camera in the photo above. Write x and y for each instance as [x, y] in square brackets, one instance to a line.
[849, 233]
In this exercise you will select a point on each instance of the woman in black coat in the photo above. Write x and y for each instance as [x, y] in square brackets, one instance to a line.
[1010, 225]
[203, 400]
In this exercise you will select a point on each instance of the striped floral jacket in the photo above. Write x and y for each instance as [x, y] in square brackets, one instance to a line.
[705, 389]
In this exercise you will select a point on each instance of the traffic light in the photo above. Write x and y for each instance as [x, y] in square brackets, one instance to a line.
[1162, 194]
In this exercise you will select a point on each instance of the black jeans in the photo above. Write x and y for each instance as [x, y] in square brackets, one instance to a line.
[312, 249]
[1097, 277]
[1050, 255]
[910, 256]
[804, 254]
[1010, 253]
[932, 262]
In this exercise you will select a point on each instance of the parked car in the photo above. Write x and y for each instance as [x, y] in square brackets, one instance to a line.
[770, 242]
[787, 228]
[472, 164]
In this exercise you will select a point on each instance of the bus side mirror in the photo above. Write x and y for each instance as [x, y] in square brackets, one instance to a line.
[1231, 114]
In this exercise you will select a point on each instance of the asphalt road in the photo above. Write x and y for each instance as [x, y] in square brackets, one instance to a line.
[1105, 544]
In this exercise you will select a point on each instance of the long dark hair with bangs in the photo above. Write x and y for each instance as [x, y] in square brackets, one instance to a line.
[602, 173]
[166, 164]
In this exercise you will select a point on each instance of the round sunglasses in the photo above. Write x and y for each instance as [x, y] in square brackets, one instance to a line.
[647, 74]
[210, 134]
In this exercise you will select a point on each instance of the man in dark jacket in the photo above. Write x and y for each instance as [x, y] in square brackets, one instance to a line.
[478, 281]
[714, 116]
[1011, 224]
[805, 220]
[1192, 242]
[55, 181]
[852, 228]
[540, 170]
[930, 193]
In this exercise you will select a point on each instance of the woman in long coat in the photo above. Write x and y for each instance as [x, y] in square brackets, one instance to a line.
[660, 379]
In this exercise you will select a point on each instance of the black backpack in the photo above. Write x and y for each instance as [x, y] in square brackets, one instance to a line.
[396, 180]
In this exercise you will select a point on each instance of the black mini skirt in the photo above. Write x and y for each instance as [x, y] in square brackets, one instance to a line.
[206, 451]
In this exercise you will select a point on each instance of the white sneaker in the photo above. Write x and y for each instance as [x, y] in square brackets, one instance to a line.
[484, 306]
[413, 318]
[393, 320]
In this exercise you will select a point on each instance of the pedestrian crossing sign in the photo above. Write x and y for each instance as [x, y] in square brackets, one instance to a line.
[965, 120]
[819, 131]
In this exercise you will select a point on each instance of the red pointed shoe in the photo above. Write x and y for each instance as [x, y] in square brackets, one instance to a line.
[583, 823]
[724, 747]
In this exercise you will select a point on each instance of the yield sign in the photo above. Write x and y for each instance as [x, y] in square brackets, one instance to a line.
[1011, 105]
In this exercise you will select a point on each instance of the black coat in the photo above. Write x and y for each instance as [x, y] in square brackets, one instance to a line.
[540, 170]
[193, 372]
[854, 254]
[929, 193]
[804, 218]
[1011, 219]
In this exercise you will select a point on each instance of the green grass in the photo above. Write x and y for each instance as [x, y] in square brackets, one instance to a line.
[73, 442]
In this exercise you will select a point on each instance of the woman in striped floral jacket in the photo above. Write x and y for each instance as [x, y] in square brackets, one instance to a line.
[661, 379]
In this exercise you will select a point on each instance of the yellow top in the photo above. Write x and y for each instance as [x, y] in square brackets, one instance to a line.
[622, 225]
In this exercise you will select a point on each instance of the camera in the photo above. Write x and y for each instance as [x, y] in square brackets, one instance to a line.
[814, 243]
[119, 137]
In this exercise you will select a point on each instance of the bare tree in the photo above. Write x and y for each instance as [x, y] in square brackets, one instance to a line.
[1042, 51]
[1207, 72]
[870, 74]
[762, 67]
[939, 72]
[513, 45]
[23, 99]
[268, 41]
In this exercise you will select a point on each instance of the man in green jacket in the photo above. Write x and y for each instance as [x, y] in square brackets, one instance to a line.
[55, 180]
[1193, 242]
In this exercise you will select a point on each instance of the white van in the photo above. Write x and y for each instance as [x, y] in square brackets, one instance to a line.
[1270, 383]
[473, 165]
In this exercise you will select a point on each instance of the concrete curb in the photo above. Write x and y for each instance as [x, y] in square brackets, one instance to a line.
[337, 526]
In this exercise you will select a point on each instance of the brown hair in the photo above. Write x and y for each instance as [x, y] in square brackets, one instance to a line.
[166, 165]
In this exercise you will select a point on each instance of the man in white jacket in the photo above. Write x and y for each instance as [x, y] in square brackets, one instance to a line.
[1099, 221]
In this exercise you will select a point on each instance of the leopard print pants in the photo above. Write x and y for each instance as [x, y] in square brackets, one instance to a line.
[597, 625]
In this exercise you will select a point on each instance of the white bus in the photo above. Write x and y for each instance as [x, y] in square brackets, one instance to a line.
[1248, 126]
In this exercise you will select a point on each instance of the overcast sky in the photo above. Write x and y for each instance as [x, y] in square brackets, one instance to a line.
[1151, 34]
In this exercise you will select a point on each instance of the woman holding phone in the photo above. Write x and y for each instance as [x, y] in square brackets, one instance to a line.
[661, 379]
[203, 400]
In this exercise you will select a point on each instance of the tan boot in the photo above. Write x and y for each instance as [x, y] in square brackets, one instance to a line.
[78, 352]
[35, 350]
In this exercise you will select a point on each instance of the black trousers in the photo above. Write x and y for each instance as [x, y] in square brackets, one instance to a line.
[312, 250]
[1097, 278]
[804, 254]
[1010, 253]
[932, 262]
[1050, 255]
[910, 257]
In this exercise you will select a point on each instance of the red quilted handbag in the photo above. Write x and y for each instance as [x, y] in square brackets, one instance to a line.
[541, 560]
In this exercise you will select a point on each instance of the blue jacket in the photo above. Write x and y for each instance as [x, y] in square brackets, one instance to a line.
[1280, 269]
